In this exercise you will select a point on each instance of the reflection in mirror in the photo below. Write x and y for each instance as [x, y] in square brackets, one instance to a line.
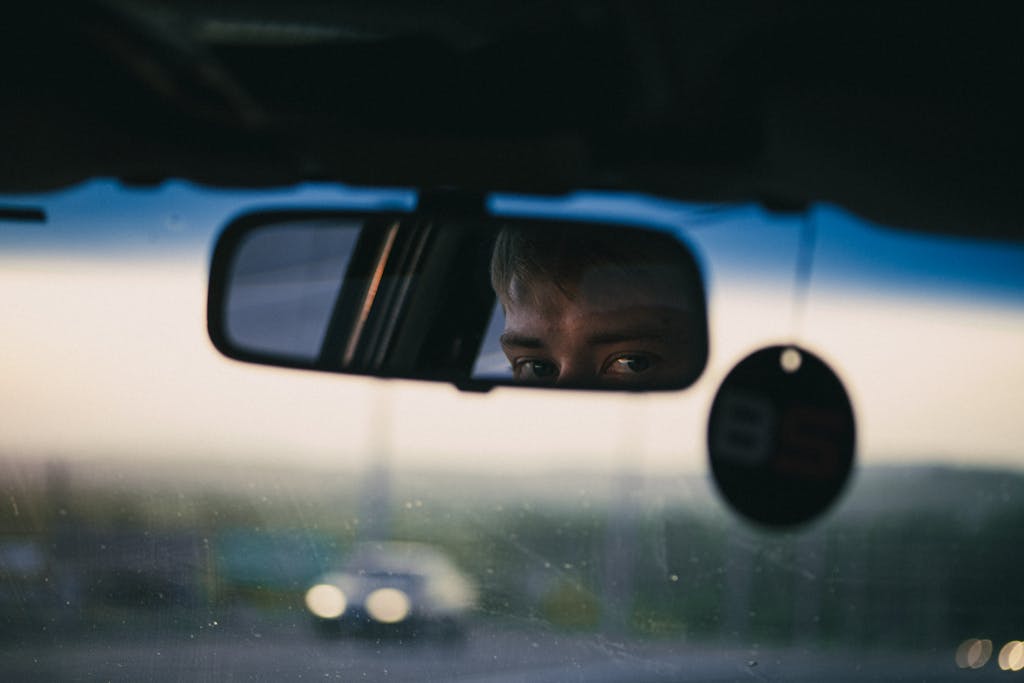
[598, 307]
[283, 284]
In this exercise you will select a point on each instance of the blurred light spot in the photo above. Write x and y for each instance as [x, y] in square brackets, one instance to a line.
[1011, 657]
[388, 605]
[973, 653]
[326, 601]
[791, 360]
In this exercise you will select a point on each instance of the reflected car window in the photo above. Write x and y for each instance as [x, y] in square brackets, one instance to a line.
[283, 287]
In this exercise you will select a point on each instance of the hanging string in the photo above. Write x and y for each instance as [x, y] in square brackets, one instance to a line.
[803, 272]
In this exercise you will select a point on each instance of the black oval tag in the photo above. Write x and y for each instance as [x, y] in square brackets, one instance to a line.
[781, 436]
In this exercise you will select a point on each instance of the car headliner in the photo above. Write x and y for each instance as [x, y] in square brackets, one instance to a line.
[908, 115]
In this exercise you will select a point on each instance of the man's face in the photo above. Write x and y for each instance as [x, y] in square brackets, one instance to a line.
[610, 330]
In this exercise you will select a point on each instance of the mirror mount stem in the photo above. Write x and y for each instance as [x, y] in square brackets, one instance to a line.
[453, 202]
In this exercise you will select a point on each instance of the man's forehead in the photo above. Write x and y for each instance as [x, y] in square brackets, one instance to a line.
[607, 288]
[593, 323]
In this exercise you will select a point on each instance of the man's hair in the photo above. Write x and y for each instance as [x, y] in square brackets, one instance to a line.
[560, 255]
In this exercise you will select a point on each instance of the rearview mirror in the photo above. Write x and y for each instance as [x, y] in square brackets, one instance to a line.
[475, 301]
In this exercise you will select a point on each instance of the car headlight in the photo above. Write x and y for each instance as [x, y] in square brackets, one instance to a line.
[388, 605]
[326, 601]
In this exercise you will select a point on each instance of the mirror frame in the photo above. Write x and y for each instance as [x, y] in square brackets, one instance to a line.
[240, 226]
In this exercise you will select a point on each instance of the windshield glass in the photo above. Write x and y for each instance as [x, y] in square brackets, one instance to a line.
[167, 513]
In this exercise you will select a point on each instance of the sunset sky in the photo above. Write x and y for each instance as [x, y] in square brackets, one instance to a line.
[105, 350]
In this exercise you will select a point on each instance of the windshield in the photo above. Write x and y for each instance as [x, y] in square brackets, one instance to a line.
[167, 513]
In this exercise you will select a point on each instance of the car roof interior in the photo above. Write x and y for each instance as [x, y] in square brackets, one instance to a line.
[906, 114]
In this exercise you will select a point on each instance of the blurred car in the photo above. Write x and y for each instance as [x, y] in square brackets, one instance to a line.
[393, 588]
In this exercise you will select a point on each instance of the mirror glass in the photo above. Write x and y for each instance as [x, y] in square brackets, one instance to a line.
[474, 301]
[283, 284]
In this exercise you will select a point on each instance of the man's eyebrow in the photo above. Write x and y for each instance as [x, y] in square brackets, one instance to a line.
[522, 341]
[619, 336]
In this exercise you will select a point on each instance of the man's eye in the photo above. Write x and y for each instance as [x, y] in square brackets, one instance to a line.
[533, 369]
[629, 364]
